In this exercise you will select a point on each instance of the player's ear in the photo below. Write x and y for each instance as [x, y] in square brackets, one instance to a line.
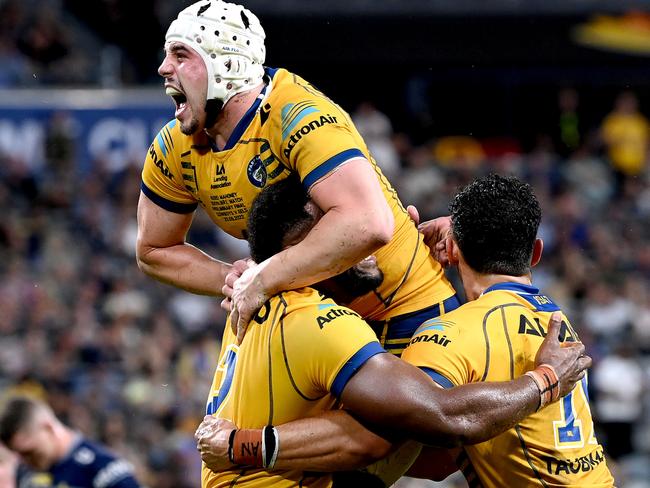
[453, 251]
[538, 247]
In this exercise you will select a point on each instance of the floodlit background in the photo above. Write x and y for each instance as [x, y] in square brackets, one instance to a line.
[554, 91]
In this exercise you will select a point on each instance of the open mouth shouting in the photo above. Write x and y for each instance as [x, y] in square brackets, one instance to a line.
[179, 99]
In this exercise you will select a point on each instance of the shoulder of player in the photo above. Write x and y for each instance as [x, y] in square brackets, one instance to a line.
[458, 321]
[170, 141]
[288, 304]
[439, 331]
[286, 86]
[87, 455]
[457, 327]
[293, 99]
[91, 454]
[106, 466]
[303, 298]
[308, 303]
[535, 300]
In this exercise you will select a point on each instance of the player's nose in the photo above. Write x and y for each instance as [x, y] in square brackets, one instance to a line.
[165, 68]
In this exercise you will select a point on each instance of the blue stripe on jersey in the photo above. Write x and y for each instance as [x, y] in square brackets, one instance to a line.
[244, 122]
[317, 173]
[179, 208]
[408, 324]
[161, 140]
[161, 143]
[270, 71]
[438, 378]
[290, 120]
[531, 294]
[352, 366]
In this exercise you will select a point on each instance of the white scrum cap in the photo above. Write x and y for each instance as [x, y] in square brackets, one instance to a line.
[229, 38]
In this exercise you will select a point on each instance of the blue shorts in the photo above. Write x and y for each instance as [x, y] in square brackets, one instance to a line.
[394, 334]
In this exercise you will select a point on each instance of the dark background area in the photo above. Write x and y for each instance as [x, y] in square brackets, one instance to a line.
[128, 361]
[484, 68]
[484, 76]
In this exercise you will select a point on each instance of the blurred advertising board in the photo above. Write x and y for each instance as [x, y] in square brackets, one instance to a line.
[109, 127]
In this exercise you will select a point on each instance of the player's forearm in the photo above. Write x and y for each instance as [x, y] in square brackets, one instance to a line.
[466, 414]
[184, 266]
[334, 441]
[420, 410]
[480, 411]
[339, 241]
[469, 414]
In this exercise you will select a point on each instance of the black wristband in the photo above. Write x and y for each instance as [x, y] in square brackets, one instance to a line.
[270, 446]
[231, 452]
[268, 438]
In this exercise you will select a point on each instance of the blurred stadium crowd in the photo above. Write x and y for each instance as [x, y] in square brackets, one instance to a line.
[128, 361]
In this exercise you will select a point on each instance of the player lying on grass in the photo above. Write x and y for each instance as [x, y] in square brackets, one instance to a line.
[304, 355]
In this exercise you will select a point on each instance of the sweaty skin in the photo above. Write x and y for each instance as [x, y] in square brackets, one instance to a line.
[411, 407]
[358, 219]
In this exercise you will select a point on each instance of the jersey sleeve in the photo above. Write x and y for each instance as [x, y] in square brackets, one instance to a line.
[316, 137]
[441, 350]
[335, 343]
[162, 178]
[117, 473]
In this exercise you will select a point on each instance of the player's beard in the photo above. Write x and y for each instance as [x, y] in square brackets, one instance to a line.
[212, 111]
[190, 127]
[359, 279]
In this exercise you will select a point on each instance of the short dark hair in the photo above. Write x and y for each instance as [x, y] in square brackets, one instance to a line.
[17, 412]
[494, 222]
[279, 210]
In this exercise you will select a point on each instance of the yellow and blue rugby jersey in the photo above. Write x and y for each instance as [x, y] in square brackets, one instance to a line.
[294, 362]
[291, 127]
[496, 338]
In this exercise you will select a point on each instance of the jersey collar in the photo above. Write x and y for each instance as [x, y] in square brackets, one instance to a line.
[511, 286]
[78, 440]
[250, 113]
[529, 293]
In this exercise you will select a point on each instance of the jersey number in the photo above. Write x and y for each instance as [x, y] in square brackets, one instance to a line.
[227, 366]
[568, 431]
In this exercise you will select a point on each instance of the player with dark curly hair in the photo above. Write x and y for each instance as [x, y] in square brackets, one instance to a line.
[495, 221]
[305, 353]
[496, 335]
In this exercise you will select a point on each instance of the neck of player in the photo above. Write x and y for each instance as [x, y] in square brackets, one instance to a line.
[476, 283]
[231, 114]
